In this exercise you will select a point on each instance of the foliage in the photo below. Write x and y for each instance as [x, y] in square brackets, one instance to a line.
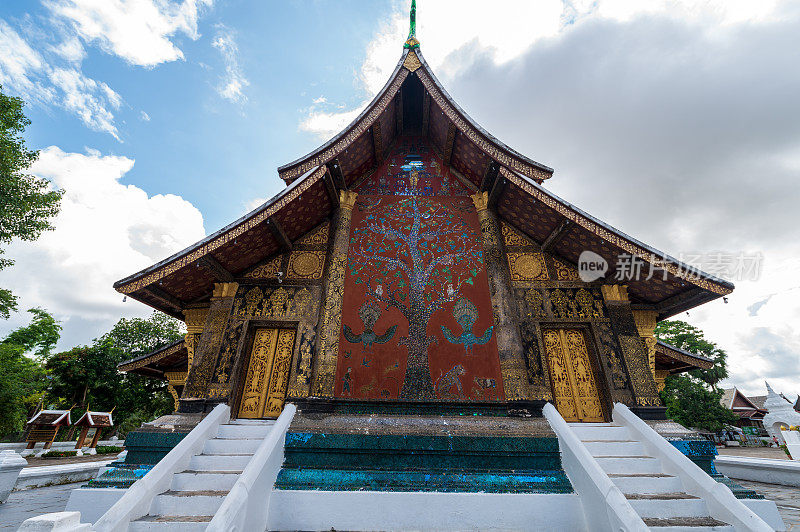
[684, 336]
[27, 204]
[22, 379]
[691, 404]
[88, 376]
[59, 454]
[108, 449]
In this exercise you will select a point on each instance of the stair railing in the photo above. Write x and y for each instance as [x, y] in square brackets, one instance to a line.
[246, 507]
[137, 500]
[604, 505]
[720, 500]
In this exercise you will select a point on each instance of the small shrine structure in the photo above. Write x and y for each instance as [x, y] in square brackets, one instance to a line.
[44, 427]
[92, 420]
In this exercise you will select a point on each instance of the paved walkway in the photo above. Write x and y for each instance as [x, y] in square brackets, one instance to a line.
[786, 497]
[24, 504]
[754, 452]
[21, 505]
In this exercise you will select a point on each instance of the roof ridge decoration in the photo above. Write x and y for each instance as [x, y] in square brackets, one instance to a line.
[412, 42]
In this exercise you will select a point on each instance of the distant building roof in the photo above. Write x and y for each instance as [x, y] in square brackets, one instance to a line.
[742, 406]
[758, 400]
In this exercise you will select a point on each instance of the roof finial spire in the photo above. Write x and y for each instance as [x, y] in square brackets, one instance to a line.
[412, 41]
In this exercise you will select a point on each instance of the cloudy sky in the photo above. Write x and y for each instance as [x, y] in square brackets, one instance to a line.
[675, 121]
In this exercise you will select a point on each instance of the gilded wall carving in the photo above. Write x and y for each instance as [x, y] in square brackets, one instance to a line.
[518, 383]
[562, 303]
[297, 305]
[207, 348]
[635, 354]
[330, 327]
[527, 266]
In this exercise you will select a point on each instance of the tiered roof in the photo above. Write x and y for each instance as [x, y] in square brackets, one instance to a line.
[413, 101]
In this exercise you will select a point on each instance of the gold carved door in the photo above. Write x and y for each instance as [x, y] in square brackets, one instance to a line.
[267, 373]
[574, 386]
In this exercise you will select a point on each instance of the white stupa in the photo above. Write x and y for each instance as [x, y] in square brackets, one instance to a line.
[781, 412]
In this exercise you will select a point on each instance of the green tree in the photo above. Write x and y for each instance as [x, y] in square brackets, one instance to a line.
[687, 397]
[691, 404]
[689, 338]
[88, 376]
[27, 203]
[22, 378]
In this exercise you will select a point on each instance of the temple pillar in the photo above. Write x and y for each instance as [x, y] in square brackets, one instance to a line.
[635, 353]
[646, 323]
[330, 325]
[516, 384]
[206, 350]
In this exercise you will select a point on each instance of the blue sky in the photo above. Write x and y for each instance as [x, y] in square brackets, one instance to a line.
[675, 121]
[216, 153]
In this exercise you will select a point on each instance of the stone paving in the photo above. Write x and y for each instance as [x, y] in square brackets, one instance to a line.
[29, 503]
[24, 504]
[787, 498]
[754, 452]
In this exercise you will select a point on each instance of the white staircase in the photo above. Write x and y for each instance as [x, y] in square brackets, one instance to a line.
[659, 499]
[197, 492]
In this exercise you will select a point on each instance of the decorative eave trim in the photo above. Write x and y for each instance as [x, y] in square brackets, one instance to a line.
[616, 237]
[357, 127]
[151, 358]
[487, 143]
[683, 356]
[220, 238]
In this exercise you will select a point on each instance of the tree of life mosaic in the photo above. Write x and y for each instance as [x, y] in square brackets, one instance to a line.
[417, 320]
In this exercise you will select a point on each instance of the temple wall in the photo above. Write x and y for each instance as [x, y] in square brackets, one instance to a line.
[416, 291]
[283, 292]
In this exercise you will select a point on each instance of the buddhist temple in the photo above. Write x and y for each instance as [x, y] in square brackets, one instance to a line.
[410, 316]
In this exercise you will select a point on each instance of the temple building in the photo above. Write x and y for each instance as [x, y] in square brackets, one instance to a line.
[419, 296]
[414, 258]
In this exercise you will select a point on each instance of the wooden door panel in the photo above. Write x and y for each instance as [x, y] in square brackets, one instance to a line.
[574, 387]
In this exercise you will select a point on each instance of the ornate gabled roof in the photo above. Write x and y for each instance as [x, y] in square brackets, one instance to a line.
[155, 364]
[386, 107]
[413, 101]
[678, 360]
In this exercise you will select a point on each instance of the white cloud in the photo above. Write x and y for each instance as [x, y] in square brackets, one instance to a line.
[139, 31]
[70, 49]
[233, 82]
[19, 65]
[104, 232]
[144, 116]
[88, 99]
[26, 72]
[504, 30]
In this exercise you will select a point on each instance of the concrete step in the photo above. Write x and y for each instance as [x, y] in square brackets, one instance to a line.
[196, 481]
[629, 464]
[187, 503]
[688, 524]
[170, 523]
[255, 431]
[268, 422]
[586, 432]
[668, 508]
[219, 462]
[230, 446]
[615, 448]
[639, 484]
